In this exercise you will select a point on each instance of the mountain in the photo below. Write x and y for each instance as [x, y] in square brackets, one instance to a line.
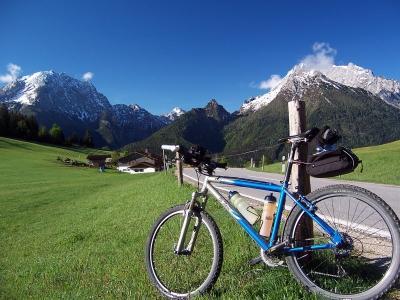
[355, 107]
[134, 123]
[170, 117]
[174, 114]
[349, 75]
[76, 106]
[202, 126]
[364, 108]
[355, 76]
[361, 116]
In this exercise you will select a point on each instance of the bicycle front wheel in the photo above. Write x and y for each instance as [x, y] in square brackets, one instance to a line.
[367, 265]
[192, 272]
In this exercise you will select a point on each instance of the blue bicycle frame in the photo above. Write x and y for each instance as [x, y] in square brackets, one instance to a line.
[301, 201]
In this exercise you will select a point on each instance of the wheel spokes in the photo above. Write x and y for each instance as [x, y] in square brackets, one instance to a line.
[368, 254]
[182, 273]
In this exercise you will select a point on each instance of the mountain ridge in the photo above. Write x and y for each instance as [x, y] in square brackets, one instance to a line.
[77, 105]
[198, 126]
[350, 75]
[361, 117]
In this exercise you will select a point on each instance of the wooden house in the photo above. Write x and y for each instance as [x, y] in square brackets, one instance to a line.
[97, 160]
[140, 162]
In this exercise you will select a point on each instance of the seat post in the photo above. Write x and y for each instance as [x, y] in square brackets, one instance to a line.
[290, 164]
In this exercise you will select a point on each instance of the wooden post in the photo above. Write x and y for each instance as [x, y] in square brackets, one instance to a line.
[179, 169]
[165, 164]
[300, 179]
[263, 161]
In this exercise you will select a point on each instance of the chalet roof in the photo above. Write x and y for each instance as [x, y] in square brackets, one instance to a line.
[137, 155]
[98, 156]
[142, 165]
[130, 157]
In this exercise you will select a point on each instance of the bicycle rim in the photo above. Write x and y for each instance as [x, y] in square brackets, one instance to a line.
[182, 275]
[362, 267]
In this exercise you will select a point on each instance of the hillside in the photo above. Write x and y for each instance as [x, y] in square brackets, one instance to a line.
[380, 164]
[76, 105]
[76, 233]
[198, 126]
[360, 117]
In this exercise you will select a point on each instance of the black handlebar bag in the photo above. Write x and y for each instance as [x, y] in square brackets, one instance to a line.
[332, 163]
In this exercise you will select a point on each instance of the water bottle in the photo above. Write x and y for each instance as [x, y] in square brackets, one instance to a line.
[267, 217]
[247, 211]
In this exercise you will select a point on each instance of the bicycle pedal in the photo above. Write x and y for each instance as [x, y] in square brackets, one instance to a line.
[255, 261]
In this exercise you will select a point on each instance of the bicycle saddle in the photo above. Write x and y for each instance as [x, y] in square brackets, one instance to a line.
[305, 136]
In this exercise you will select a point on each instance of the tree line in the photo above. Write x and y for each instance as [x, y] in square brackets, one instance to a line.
[16, 125]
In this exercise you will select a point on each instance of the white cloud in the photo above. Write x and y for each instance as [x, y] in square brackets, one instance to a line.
[322, 58]
[13, 71]
[87, 76]
[270, 83]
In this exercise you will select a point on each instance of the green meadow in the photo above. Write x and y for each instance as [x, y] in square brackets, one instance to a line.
[381, 164]
[75, 233]
[68, 232]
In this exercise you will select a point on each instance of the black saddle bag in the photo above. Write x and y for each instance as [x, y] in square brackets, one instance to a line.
[332, 163]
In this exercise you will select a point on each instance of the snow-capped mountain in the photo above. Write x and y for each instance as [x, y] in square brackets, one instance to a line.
[76, 106]
[170, 117]
[175, 113]
[50, 91]
[355, 76]
[349, 75]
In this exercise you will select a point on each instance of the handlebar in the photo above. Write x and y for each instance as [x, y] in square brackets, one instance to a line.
[305, 136]
[196, 157]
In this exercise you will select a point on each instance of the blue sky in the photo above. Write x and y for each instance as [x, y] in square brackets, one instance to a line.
[161, 54]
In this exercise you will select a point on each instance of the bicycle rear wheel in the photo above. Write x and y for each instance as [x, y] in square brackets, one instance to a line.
[189, 274]
[368, 265]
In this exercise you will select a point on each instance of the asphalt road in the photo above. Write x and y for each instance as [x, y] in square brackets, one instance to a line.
[389, 193]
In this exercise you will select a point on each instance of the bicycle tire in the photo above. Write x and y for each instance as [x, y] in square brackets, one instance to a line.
[211, 227]
[361, 246]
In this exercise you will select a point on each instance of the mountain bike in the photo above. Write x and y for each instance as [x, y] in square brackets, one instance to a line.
[352, 253]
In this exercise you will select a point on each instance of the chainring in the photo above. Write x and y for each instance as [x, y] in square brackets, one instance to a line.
[271, 260]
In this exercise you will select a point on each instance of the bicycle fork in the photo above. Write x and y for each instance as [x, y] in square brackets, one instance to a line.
[188, 213]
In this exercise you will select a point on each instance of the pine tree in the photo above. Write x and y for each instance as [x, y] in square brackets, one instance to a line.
[73, 139]
[43, 134]
[33, 127]
[56, 134]
[22, 128]
[4, 121]
[87, 139]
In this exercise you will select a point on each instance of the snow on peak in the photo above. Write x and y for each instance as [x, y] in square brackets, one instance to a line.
[295, 80]
[135, 107]
[350, 75]
[358, 77]
[178, 111]
[27, 87]
[175, 113]
[52, 91]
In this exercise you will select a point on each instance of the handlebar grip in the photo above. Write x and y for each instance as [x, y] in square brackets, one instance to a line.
[172, 148]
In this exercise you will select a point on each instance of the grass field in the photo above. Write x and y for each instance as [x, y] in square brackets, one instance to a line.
[381, 164]
[76, 233]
